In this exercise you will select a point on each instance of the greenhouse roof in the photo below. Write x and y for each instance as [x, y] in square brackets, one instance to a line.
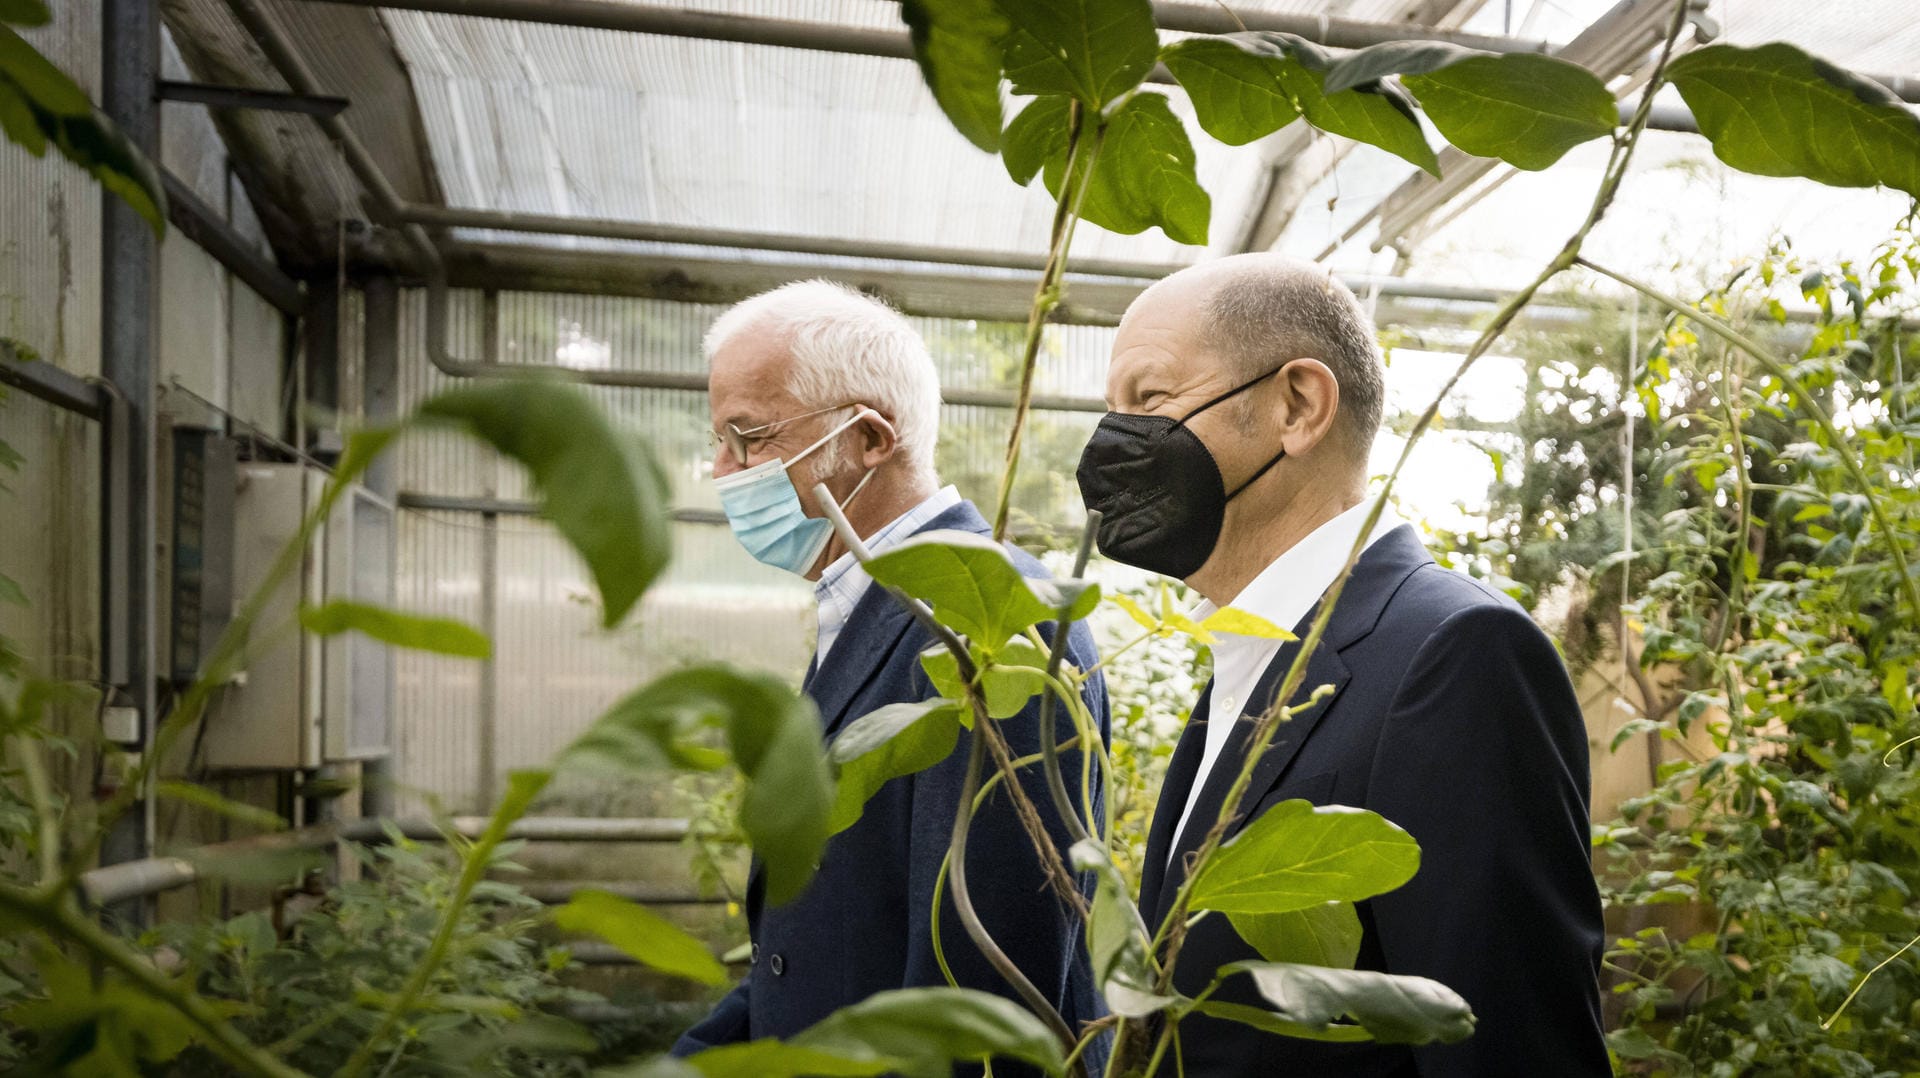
[776, 160]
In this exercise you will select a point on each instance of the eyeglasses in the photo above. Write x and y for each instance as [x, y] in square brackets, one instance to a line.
[741, 443]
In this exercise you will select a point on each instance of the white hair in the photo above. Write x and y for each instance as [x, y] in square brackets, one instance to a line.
[846, 346]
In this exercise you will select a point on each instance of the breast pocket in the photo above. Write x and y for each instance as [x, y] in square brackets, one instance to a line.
[1315, 789]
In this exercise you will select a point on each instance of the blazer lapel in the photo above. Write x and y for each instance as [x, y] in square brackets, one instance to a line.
[873, 630]
[1175, 788]
[1376, 576]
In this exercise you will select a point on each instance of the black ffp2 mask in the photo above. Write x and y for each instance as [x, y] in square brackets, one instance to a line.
[1158, 489]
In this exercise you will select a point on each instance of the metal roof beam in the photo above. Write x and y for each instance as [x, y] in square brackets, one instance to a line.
[829, 37]
[245, 97]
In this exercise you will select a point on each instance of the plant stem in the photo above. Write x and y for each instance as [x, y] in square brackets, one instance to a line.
[1050, 760]
[1175, 926]
[473, 867]
[1046, 295]
[1821, 417]
[40, 793]
[963, 900]
[54, 916]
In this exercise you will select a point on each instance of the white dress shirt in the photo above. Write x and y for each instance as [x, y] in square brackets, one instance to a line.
[1283, 593]
[843, 583]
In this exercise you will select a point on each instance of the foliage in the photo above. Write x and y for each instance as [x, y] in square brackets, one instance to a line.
[41, 106]
[1793, 825]
[318, 988]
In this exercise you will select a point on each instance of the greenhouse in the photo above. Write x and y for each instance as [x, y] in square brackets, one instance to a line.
[729, 538]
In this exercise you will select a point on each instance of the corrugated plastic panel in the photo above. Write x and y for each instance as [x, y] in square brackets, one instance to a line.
[436, 698]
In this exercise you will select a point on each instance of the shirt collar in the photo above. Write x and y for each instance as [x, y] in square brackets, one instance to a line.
[1288, 587]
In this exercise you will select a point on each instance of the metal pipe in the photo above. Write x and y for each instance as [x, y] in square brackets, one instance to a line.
[150, 876]
[44, 381]
[829, 37]
[608, 228]
[245, 97]
[129, 356]
[203, 225]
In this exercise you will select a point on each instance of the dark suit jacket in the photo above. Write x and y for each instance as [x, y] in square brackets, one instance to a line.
[1453, 717]
[861, 926]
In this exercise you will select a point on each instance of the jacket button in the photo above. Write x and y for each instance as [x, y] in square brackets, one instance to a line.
[754, 956]
[778, 965]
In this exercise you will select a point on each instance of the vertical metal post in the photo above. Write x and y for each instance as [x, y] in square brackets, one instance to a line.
[129, 300]
[488, 764]
[380, 398]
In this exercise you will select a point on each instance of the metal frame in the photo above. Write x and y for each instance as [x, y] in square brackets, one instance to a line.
[244, 97]
[205, 226]
[44, 381]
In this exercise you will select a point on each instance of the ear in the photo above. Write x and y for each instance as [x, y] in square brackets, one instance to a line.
[1310, 401]
[878, 442]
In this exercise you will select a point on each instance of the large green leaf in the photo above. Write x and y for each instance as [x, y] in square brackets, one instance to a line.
[1774, 110]
[444, 636]
[641, 934]
[202, 798]
[25, 13]
[958, 44]
[1296, 856]
[773, 736]
[899, 739]
[1144, 174]
[661, 724]
[1246, 86]
[968, 580]
[789, 796]
[1391, 1008]
[1117, 939]
[927, 1030]
[600, 487]
[1523, 108]
[1094, 50]
[771, 1059]
[45, 85]
[1324, 935]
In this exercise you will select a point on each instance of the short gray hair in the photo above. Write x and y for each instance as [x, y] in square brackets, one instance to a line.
[847, 345]
[1270, 310]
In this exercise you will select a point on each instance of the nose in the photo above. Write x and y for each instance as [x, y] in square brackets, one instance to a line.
[724, 462]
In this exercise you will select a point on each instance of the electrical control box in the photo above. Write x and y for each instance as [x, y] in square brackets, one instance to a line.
[303, 700]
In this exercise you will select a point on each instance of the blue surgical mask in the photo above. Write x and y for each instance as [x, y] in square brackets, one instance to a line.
[764, 509]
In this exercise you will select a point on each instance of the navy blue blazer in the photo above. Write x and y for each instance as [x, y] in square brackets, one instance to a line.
[862, 924]
[1452, 716]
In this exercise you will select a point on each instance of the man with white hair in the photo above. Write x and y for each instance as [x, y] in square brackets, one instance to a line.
[816, 383]
[1246, 393]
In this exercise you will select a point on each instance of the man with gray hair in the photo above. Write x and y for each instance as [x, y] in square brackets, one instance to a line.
[815, 383]
[1246, 393]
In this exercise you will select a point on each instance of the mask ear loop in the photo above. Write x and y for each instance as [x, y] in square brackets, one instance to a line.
[1235, 391]
[864, 413]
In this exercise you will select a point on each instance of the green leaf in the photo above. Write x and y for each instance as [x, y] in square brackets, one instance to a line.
[1143, 177]
[658, 725]
[771, 1059]
[1246, 86]
[1273, 1023]
[1774, 110]
[203, 798]
[1394, 1009]
[968, 580]
[43, 84]
[275, 866]
[641, 934]
[600, 487]
[1324, 935]
[1296, 856]
[899, 739]
[1241, 623]
[958, 45]
[1008, 689]
[443, 636]
[924, 1031]
[1117, 939]
[25, 13]
[19, 122]
[1523, 108]
[1376, 62]
[1093, 50]
[773, 735]
[95, 144]
[10, 592]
